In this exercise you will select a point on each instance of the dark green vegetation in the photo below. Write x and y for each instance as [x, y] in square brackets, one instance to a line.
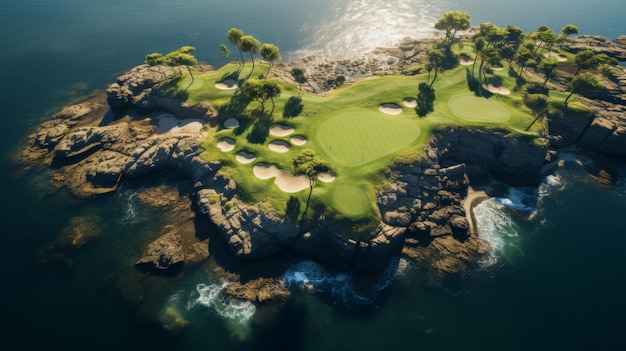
[347, 131]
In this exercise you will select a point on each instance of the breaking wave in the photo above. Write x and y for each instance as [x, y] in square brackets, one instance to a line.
[341, 287]
[496, 217]
[231, 309]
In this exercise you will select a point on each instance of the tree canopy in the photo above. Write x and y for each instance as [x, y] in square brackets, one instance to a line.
[261, 90]
[270, 53]
[250, 44]
[451, 22]
[234, 37]
[584, 83]
[182, 57]
[299, 76]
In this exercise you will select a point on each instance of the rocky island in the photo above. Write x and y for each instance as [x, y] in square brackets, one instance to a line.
[149, 123]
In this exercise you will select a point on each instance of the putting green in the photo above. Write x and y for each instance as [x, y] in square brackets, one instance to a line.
[350, 199]
[353, 137]
[477, 109]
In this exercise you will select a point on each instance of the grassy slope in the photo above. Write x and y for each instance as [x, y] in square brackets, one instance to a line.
[363, 97]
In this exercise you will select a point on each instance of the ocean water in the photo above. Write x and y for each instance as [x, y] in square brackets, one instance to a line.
[553, 280]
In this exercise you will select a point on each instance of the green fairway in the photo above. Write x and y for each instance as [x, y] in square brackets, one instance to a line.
[477, 109]
[350, 199]
[356, 136]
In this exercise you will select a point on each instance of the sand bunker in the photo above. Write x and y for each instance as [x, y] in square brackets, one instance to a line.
[231, 123]
[410, 102]
[279, 146]
[228, 84]
[169, 124]
[226, 144]
[466, 61]
[298, 140]
[245, 157]
[497, 89]
[558, 57]
[327, 177]
[285, 181]
[280, 130]
[390, 109]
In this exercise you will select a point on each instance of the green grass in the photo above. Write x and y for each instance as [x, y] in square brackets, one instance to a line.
[345, 128]
[470, 107]
[356, 136]
[350, 199]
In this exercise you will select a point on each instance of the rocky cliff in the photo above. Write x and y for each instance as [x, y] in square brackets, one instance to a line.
[421, 207]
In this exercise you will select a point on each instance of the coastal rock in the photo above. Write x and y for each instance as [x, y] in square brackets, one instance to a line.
[82, 140]
[154, 158]
[249, 231]
[100, 173]
[165, 252]
[597, 44]
[136, 88]
[374, 254]
[258, 290]
[514, 160]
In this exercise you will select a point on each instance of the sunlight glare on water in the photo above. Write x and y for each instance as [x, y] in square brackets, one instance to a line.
[355, 27]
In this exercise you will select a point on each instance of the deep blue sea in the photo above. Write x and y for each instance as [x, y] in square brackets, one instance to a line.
[554, 279]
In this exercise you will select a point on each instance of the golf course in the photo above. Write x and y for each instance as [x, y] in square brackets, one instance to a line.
[358, 129]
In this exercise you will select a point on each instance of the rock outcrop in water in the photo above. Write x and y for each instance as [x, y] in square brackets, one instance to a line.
[422, 212]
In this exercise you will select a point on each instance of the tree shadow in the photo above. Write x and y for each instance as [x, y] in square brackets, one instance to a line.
[425, 99]
[170, 89]
[473, 83]
[293, 209]
[261, 127]
[293, 107]
[230, 75]
[234, 107]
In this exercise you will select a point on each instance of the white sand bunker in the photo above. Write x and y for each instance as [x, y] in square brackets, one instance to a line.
[465, 61]
[410, 102]
[497, 89]
[280, 130]
[169, 124]
[298, 140]
[245, 157]
[558, 57]
[327, 177]
[228, 84]
[226, 144]
[390, 109]
[279, 146]
[231, 123]
[285, 181]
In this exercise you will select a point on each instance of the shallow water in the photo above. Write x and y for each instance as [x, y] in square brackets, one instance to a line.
[553, 280]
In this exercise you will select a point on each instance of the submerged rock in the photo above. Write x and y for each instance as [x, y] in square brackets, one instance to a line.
[165, 252]
[258, 290]
[79, 232]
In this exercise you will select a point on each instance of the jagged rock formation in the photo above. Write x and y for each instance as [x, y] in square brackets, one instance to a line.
[421, 208]
[165, 252]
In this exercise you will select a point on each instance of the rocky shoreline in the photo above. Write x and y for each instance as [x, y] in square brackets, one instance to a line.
[424, 211]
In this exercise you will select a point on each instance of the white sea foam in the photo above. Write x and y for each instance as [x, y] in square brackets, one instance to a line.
[231, 309]
[129, 206]
[494, 220]
[494, 225]
[308, 275]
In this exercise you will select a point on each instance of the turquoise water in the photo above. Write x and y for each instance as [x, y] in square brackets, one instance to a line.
[554, 281]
